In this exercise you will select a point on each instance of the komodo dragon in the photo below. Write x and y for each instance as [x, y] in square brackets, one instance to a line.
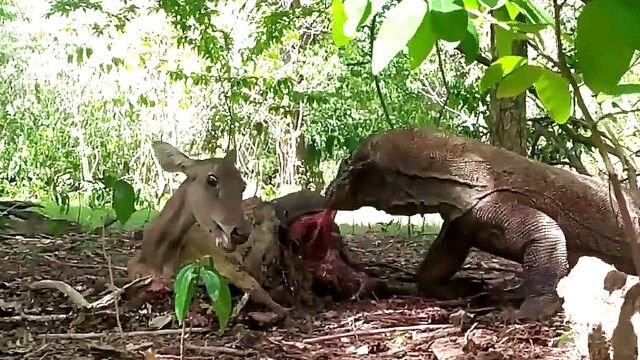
[492, 199]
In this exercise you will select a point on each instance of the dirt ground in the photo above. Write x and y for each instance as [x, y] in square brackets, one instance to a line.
[43, 323]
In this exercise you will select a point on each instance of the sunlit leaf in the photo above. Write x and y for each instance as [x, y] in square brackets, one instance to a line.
[354, 11]
[553, 91]
[421, 43]
[499, 69]
[398, 27]
[513, 9]
[518, 81]
[123, 200]
[183, 288]
[606, 34]
[471, 4]
[339, 19]
[449, 19]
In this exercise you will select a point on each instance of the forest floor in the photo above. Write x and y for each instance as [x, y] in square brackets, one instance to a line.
[43, 323]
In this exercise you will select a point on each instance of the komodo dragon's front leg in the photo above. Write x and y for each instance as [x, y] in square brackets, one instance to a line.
[503, 226]
[444, 258]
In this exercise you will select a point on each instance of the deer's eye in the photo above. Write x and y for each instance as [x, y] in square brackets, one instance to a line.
[212, 180]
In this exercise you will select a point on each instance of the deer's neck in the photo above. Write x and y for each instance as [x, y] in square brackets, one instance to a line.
[165, 235]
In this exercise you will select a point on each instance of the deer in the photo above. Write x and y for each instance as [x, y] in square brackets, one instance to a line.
[206, 216]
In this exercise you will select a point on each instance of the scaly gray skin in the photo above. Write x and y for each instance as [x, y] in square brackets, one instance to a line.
[492, 199]
[296, 204]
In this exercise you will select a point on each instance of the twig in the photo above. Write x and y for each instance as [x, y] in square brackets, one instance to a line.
[395, 267]
[36, 351]
[114, 289]
[375, 331]
[212, 350]
[86, 266]
[628, 162]
[621, 112]
[81, 336]
[444, 81]
[376, 80]
[184, 327]
[34, 318]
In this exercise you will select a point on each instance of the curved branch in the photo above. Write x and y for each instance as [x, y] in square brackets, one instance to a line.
[444, 81]
[629, 230]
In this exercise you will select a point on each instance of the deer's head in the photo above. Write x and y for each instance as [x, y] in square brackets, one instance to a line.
[212, 193]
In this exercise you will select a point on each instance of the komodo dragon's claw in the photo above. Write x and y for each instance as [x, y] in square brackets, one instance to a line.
[539, 308]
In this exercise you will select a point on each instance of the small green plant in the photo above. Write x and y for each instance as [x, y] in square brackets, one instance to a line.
[184, 288]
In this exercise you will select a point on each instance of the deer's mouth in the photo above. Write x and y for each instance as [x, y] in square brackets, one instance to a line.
[231, 240]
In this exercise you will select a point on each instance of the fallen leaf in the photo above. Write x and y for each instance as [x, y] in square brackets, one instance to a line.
[160, 321]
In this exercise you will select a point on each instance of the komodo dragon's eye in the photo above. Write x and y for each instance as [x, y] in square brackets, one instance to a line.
[212, 180]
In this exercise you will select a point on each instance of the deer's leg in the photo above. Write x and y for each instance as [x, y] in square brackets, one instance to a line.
[247, 283]
[444, 258]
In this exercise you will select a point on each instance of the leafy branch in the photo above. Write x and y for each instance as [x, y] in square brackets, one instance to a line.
[629, 229]
[376, 79]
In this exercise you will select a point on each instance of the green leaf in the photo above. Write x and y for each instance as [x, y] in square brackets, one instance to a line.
[123, 201]
[396, 30]
[499, 69]
[513, 9]
[470, 45]
[624, 89]
[211, 283]
[553, 92]
[533, 13]
[471, 4]
[222, 306]
[339, 19]
[376, 6]
[353, 10]
[421, 43]
[606, 34]
[526, 27]
[183, 288]
[504, 41]
[449, 19]
[493, 4]
[518, 81]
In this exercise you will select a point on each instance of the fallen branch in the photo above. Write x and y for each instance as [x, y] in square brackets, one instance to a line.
[73, 295]
[214, 350]
[82, 266]
[77, 298]
[81, 336]
[34, 318]
[375, 331]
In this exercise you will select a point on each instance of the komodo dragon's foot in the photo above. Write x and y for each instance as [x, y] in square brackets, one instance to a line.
[539, 308]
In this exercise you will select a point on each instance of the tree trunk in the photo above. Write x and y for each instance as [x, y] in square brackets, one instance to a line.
[509, 115]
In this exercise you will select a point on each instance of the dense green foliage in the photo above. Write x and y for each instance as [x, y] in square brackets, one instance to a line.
[85, 86]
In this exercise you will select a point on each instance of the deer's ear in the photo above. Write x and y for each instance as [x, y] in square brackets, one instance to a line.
[170, 158]
[231, 156]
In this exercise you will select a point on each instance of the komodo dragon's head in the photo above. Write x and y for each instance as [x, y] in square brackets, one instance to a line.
[393, 172]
